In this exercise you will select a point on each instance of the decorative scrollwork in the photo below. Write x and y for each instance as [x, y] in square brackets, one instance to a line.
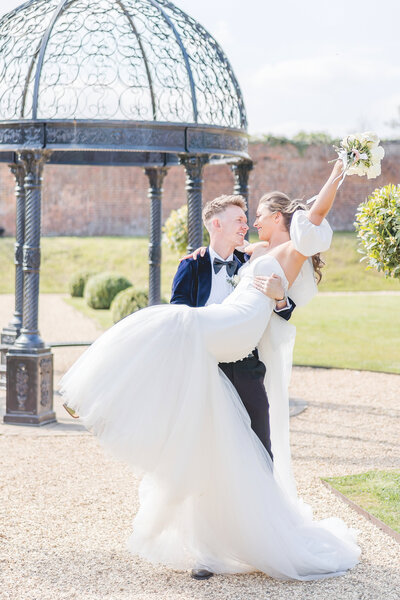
[22, 385]
[137, 60]
[21, 136]
[18, 254]
[31, 258]
[46, 386]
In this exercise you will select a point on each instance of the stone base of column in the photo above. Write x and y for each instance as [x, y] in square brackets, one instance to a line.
[29, 397]
[7, 338]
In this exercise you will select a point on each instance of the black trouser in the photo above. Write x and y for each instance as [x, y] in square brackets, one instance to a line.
[247, 376]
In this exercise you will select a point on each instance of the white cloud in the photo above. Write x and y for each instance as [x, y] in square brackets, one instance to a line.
[329, 93]
[222, 32]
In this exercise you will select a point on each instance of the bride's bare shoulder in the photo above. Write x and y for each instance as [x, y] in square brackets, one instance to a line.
[290, 260]
[259, 250]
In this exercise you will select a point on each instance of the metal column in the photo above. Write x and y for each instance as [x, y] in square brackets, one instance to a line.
[10, 333]
[194, 185]
[156, 177]
[29, 361]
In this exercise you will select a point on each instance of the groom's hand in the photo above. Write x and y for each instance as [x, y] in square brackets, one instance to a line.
[271, 287]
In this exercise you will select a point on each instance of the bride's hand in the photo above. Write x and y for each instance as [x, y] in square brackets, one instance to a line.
[271, 286]
[194, 255]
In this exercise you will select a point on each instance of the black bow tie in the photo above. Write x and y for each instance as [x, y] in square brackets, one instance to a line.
[231, 266]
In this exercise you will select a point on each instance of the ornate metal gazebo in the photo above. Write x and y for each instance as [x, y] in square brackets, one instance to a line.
[104, 82]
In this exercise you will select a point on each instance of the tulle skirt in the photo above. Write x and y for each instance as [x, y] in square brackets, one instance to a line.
[155, 397]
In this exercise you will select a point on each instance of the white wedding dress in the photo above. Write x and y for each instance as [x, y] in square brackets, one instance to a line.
[151, 390]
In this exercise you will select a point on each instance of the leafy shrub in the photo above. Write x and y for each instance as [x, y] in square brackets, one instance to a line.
[127, 302]
[77, 283]
[101, 289]
[378, 229]
[176, 230]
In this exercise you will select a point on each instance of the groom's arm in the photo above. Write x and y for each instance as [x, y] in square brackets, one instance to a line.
[273, 288]
[286, 311]
[183, 284]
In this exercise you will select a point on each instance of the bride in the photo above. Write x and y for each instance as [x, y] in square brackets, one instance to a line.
[151, 390]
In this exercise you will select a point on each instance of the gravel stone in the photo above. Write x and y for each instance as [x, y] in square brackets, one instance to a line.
[66, 508]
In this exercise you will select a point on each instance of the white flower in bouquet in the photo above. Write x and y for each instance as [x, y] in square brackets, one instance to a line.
[361, 154]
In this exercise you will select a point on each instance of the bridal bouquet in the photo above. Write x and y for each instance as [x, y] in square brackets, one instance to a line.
[361, 154]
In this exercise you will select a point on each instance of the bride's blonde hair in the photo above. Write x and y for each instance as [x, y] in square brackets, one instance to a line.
[279, 202]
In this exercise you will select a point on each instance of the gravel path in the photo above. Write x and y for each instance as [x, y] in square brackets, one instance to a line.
[66, 508]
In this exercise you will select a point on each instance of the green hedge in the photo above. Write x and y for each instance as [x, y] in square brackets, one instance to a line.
[77, 283]
[175, 231]
[101, 289]
[378, 230]
[127, 302]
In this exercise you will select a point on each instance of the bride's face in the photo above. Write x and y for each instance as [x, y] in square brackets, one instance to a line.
[266, 222]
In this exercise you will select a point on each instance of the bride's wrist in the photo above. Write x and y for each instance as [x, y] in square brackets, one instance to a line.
[337, 167]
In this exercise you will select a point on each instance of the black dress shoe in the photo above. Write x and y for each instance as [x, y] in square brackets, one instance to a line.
[201, 574]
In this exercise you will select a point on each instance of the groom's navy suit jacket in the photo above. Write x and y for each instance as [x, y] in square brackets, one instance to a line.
[192, 286]
[192, 282]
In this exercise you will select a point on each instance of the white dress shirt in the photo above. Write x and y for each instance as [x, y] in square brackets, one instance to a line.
[220, 286]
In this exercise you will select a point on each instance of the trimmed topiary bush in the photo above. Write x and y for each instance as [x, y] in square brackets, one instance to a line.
[175, 230]
[127, 302]
[77, 283]
[378, 229]
[101, 289]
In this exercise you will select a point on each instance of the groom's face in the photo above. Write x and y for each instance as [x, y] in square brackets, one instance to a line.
[233, 225]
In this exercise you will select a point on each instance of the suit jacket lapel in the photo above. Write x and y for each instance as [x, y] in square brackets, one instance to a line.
[204, 279]
[238, 261]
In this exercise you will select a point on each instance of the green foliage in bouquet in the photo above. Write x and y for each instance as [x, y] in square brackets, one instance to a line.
[101, 289]
[378, 229]
[127, 302]
[77, 283]
[176, 230]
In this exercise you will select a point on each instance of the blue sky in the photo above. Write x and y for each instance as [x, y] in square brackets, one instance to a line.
[314, 65]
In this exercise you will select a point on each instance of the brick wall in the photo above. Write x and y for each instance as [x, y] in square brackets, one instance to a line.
[113, 200]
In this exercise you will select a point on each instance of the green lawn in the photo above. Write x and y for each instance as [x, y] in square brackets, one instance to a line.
[63, 256]
[101, 316]
[352, 331]
[377, 492]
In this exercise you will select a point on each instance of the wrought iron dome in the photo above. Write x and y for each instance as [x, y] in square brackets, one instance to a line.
[136, 61]
[104, 82]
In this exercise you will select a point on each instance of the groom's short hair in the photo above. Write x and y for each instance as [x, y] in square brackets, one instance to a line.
[218, 205]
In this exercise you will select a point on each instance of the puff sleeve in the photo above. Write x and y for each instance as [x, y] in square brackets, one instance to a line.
[307, 238]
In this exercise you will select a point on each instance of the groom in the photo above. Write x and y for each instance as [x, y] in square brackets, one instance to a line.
[209, 280]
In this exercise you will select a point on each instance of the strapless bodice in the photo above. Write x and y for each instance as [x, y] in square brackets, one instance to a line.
[233, 329]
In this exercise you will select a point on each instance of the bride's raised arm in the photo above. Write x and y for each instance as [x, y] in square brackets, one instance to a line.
[309, 232]
[326, 197]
